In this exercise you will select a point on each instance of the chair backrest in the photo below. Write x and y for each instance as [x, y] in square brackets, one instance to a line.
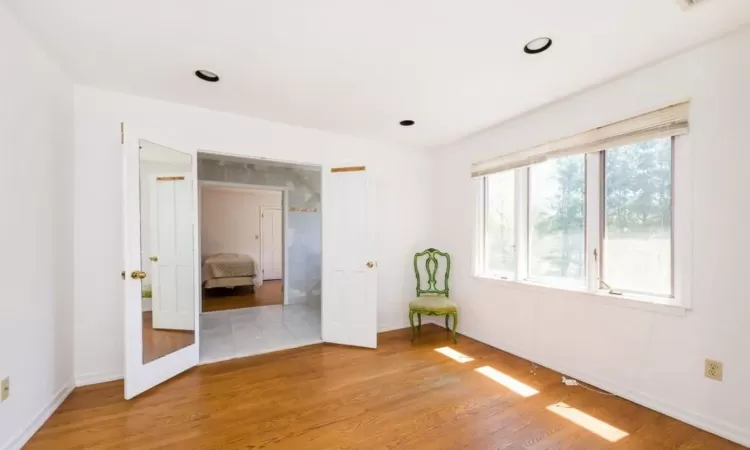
[432, 268]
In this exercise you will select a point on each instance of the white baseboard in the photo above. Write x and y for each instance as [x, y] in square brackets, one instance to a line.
[96, 378]
[17, 442]
[717, 427]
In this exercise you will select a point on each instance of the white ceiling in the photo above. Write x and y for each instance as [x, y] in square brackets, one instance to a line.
[358, 67]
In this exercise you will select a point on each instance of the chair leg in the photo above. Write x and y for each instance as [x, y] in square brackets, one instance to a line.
[419, 322]
[411, 322]
[446, 322]
[455, 326]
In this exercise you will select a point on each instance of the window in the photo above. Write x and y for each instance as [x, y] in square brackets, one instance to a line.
[556, 221]
[637, 218]
[499, 222]
[600, 221]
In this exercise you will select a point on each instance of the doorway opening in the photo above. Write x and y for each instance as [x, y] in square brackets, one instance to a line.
[242, 246]
[260, 246]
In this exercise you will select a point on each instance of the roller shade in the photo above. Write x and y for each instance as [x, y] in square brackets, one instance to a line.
[665, 122]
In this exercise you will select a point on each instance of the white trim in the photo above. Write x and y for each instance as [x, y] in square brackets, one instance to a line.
[285, 227]
[17, 442]
[717, 427]
[97, 378]
[592, 214]
[480, 208]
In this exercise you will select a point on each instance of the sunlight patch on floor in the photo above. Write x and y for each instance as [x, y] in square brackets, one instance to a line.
[454, 355]
[509, 382]
[594, 425]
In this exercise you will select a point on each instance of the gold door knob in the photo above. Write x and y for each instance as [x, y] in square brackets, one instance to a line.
[370, 264]
[137, 275]
[154, 258]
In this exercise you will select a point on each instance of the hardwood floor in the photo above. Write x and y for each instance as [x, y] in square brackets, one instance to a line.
[221, 299]
[400, 396]
[158, 343]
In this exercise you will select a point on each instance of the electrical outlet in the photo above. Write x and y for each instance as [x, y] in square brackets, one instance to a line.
[4, 389]
[714, 370]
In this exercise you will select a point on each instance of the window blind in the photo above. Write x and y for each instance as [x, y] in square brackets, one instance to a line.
[668, 121]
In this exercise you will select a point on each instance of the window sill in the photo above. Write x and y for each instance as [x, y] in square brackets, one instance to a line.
[633, 301]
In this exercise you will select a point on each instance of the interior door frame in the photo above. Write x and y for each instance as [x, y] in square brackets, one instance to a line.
[284, 228]
[140, 377]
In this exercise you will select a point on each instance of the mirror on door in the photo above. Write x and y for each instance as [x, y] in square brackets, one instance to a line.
[167, 269]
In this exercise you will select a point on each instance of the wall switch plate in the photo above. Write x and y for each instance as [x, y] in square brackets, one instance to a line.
[714, 370]
[4, 389]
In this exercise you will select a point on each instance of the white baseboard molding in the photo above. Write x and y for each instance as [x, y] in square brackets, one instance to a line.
[717, 427]
[17, 442]
[96, 378]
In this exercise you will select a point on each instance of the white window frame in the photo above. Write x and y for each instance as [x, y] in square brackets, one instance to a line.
[681, 239]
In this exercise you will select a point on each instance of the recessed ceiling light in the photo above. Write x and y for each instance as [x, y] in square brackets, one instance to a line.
[406, 123]
[207, 75]
[538, 45]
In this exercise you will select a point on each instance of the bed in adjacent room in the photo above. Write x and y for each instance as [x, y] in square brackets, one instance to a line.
[228, 270]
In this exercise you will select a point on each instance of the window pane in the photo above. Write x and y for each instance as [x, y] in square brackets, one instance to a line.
[637, 242]
[556, 221]
[500, 225]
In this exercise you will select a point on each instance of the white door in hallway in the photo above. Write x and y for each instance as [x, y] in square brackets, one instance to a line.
[171, 250]
[350, 273]
[272, 243]
[159, 272]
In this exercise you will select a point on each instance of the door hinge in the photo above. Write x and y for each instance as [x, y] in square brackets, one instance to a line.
[122, 132]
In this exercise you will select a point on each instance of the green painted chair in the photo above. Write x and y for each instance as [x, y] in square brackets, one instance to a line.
[432, 269]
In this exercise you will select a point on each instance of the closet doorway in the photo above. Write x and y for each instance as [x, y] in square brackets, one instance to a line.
[260, 246]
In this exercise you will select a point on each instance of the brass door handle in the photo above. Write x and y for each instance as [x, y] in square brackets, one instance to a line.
[154, 258]
[137, 275]
[370, 264]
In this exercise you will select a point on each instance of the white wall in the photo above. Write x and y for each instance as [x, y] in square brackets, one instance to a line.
[36, 232]
[653, 358]
[230, 220]
[403, 202]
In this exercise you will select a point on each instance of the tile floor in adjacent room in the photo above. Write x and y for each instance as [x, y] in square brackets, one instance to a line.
[251, 331]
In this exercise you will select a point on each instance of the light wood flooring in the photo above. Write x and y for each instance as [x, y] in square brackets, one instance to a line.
[222, 299]
[400, 396]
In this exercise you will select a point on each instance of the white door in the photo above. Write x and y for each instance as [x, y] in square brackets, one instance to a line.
[153, 355]
[350, 282]
[272, 246]
[171, 250]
